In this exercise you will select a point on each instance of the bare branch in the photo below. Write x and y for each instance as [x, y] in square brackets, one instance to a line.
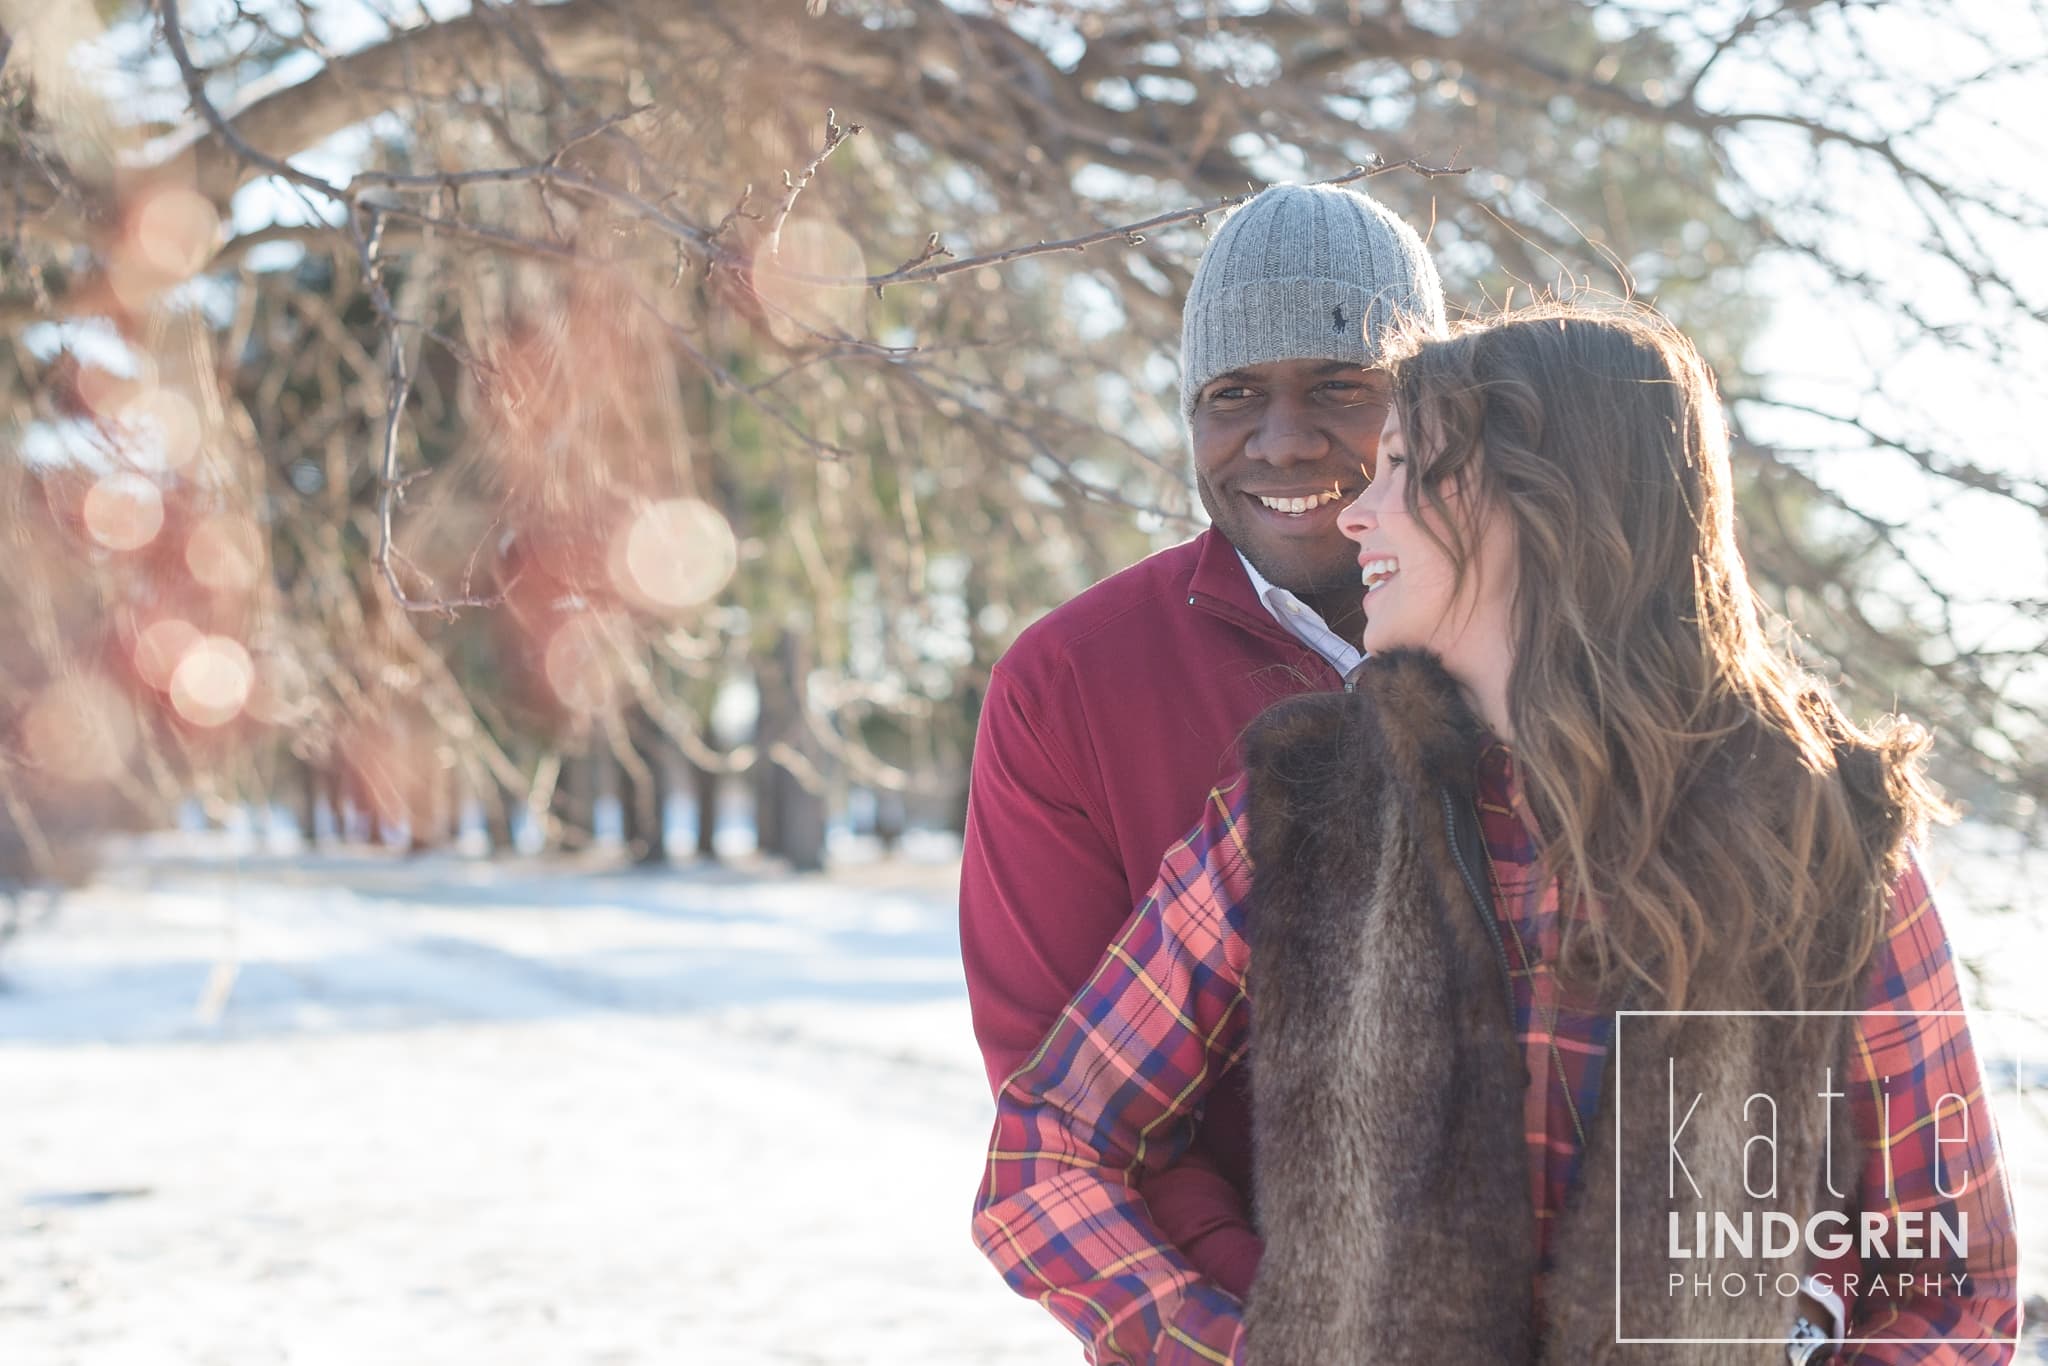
[921, 268]
[834, 135]
[195, 87]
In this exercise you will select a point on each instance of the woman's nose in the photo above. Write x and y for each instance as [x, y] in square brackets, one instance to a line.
[1359, 517]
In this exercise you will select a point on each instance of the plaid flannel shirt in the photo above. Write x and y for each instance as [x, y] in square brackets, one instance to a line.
[1115, 1090]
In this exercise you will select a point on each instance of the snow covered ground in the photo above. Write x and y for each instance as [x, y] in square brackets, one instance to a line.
[451, 1112]
[362, 1109]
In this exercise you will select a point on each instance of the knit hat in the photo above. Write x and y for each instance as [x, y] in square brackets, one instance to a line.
[1304, 272]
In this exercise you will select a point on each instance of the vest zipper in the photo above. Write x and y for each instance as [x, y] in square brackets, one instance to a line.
[1480, 899]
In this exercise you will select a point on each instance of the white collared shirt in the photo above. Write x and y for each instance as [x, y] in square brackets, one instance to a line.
[1303, 622]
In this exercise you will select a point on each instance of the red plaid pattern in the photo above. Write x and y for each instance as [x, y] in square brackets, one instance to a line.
[1563, 1041]
[1115, 1090]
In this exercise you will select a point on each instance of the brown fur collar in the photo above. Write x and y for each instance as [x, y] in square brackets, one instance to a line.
[1391, 1178]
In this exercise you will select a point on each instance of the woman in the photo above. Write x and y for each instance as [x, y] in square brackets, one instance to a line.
[1574, 779]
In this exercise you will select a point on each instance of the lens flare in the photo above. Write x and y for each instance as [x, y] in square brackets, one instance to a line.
[123, 510]
[105, 394]
[171, 234]
[225, 553]
[675, 554]
[582, 661]
[211, 684]
[812, 247]
[79, 730]
[161, 647]
[176, 231]
[164, 422]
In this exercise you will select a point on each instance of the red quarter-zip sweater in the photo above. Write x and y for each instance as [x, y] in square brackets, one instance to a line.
[1104, 728]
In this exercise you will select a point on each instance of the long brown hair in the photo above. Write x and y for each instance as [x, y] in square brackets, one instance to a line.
[1688, 778]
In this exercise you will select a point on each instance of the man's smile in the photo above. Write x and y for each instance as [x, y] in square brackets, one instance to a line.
[1298, 509]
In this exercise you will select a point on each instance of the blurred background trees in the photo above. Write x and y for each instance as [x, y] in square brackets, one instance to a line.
[463, 422]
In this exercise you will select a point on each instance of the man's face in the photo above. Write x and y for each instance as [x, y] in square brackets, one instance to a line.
[1271, 438]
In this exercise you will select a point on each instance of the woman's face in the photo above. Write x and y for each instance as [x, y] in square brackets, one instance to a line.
[1409, 602]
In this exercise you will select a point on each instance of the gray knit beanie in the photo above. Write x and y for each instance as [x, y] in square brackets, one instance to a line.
[1304, 272]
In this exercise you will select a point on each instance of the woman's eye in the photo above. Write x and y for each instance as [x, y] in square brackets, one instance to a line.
[1230, 395]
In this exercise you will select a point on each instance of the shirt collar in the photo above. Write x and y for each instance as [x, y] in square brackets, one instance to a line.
[1301, 621]
[1500, 781]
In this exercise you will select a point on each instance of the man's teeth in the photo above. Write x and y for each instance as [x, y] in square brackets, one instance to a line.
[1299, 504]
[1377, 572]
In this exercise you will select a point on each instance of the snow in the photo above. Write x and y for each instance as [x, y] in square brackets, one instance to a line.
[308, 1108]
[460, 1112]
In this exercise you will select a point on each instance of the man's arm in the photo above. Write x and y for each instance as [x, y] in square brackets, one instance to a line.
[1944, 1155]
[1042, 892]
[1111, 1093]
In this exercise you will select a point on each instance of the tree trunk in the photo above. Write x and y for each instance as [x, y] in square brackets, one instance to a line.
[705, 786]
[803, 825]
[798, 812]
[973, 687]
[770, 725]
[309, 800]
[644, 794]
[574, 804]
[498, 804]
[433, 820]
[890, 818]
[605, 788]
[326, 784]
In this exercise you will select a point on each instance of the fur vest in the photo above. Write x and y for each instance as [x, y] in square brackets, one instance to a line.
[1391, 1177]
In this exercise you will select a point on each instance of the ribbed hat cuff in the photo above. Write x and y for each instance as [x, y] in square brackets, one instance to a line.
[1292, 319]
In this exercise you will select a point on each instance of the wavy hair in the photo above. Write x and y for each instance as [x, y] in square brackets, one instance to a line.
[1690, 780]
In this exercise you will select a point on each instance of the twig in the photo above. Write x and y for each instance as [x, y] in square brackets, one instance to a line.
[728, 382]
[932, 251]
[195, 85]
[738, 211]
[708, 242]
[490, 237]
[834, 135]
[390, 483]
[920, 269]
[602, 126]
[545, 175]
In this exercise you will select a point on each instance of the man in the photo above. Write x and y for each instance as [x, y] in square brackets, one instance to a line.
[1108, 722]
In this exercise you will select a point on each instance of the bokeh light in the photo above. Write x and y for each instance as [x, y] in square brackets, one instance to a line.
[168, 418]
[160, 647]
[582, 661]
[211, 683]
[104, 394]
[812, 247]
[79, 730]
[123, 510]
[175, 232]
[170, 235]
[675, 554]
[225, 553]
